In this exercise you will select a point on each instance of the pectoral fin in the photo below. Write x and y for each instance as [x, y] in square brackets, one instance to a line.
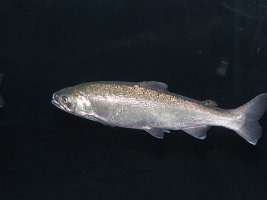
[197, 132]
[156, 132]
[96, 119]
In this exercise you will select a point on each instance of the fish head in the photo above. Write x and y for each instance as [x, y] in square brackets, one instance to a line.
[64, 100]
[72, 101]
[75, 100]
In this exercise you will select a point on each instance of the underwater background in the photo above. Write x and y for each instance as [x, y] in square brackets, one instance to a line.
[209, 49]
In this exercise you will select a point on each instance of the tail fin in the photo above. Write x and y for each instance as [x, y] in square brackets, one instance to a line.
[250, 113]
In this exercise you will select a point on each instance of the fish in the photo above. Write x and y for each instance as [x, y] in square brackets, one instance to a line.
[2, 101]
[149, 106]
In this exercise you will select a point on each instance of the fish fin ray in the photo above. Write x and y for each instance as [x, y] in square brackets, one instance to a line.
[154, 85]
[197, 132]
[210, 103]
[157, 132]
[251, 112]
[96, 119]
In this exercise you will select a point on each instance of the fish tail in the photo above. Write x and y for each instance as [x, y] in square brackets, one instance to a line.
[249, 114]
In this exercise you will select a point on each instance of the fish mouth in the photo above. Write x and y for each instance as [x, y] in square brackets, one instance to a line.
[55, 101]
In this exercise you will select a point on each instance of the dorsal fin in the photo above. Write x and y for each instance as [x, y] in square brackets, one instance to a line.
[210, 103]
[154, 85]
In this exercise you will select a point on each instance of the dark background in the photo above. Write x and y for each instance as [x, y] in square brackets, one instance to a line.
[46, 45]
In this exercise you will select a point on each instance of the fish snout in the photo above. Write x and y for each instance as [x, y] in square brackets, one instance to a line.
[55, 97]
[55, 100]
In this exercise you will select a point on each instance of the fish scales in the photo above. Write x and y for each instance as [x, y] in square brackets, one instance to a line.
[162, 104]
[151, 107]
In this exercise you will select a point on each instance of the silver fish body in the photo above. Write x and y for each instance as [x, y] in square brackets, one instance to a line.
[150, 107]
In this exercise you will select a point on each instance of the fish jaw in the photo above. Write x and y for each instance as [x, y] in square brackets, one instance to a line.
[55, 101]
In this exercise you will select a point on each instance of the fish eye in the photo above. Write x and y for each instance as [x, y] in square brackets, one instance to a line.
[65, 99]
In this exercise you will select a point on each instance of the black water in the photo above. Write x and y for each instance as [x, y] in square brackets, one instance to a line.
[201, 49]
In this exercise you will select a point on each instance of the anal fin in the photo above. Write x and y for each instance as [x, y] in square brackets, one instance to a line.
[197, 132]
